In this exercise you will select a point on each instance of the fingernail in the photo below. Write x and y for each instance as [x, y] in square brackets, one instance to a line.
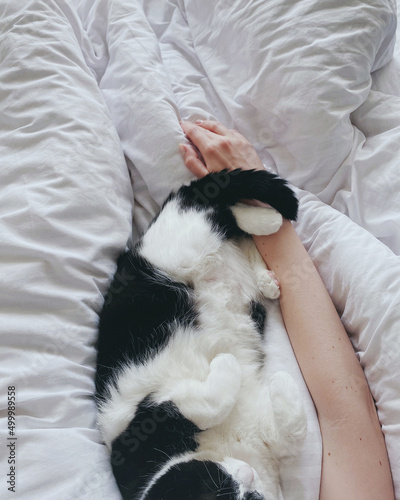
[199, 121]
[182, 150]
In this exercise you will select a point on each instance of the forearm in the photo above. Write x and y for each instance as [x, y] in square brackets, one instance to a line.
[354, 449]
[315, 330]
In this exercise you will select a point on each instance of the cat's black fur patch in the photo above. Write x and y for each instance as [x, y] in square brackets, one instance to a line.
[224, 222]
[228, 187]
[140, 311]
[258, 315]
[195, 480]
[157, 433]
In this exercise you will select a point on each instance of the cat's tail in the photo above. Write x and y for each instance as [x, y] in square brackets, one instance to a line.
[228, 187]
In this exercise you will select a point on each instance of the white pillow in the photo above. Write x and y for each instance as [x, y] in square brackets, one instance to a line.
[290, 73]
[363, 278]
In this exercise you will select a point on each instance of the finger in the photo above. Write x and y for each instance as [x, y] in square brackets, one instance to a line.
[198, 135]
[192, 161]
[213, 126]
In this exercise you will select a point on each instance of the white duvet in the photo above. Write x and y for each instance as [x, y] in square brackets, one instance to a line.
[90, 87]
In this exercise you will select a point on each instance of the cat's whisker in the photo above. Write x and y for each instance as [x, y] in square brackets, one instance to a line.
[212, 479]
[162, 451]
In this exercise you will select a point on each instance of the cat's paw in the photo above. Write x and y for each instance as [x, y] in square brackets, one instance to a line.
[208, 402]
[268, 284]
[257, 220]
[226, 363]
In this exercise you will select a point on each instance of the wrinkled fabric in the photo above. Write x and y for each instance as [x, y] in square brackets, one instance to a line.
[91, 94]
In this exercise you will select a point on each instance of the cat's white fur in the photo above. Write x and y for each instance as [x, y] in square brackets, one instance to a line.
[212, 373]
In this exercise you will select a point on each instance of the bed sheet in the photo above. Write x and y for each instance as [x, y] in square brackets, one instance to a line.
[89, 87]
[65, 214]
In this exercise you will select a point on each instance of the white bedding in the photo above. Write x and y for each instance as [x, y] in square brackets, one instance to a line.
[84, 83]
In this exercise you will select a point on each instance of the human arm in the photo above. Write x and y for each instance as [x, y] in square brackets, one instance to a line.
[355, 463]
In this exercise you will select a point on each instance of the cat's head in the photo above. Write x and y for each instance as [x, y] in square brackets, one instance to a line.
[206, 480]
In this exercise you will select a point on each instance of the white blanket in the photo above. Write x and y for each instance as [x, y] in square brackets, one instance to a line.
[84, 83]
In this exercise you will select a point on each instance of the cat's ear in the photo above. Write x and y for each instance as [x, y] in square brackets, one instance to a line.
[259, 221]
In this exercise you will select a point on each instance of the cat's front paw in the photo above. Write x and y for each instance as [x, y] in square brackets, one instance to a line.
[257, 220]
[268, 284]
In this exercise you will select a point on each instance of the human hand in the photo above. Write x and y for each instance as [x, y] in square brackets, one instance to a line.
[218, 148]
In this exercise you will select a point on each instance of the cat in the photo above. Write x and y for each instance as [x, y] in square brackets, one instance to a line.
[183, 406]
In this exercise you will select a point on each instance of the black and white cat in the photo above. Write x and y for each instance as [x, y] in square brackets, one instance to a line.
[183, 405]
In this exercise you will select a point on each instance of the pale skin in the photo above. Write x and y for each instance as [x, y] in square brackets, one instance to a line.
[355, 464]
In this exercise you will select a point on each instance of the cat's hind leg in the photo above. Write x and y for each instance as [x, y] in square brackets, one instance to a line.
[290, 419]
[209, 402]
